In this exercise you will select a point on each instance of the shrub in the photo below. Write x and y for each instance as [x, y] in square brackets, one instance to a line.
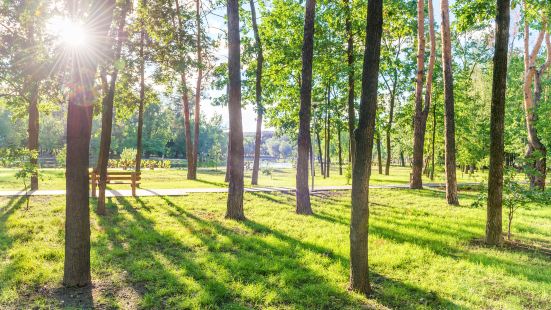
[348, 174]
[61, 156]
[128, 158]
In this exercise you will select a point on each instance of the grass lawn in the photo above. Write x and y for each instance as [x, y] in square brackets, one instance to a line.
[180, 252]
[176, 178]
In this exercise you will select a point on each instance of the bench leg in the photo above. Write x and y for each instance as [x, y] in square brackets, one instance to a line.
[133, 190]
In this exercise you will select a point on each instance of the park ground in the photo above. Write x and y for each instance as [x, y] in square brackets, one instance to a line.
[180, 252]
[54, 179]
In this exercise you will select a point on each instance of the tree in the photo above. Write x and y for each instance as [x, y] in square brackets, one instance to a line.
[350, 62]
[536, 153]
[396, 65]
[449, 118]
[258, 96]
[200, 65]
[139, 136]
[235, 191]
[107, 111]
[495, 179]
[79, 122]
[302, 191]
[25, 65]
[416, 181]
[359, 223]
[185, 99]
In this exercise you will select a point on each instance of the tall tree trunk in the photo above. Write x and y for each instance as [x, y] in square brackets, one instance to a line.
[302, 191]
[320, 156]
[76, 270]
[389, 127]
[139, 143]
[187, 130]
[107, 115]
[228, 156]
[433, 141]
[197, 111]
[359, 270]
[379, 155]
[416, 181]
[33, 130]
[495, 180]
[32, 87]
[340, 148]
[328, 134]
[536, 152]
[449, 119]
[191, 167]
[422, 112]
[350, 59]
[402, 160]
[235, 191]
[258, 96]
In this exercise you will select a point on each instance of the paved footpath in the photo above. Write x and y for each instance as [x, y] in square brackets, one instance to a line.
[185, 191]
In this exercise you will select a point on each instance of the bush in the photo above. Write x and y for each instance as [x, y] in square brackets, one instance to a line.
[128, 158]
[267, 170]
[61, 156]
[348, 174]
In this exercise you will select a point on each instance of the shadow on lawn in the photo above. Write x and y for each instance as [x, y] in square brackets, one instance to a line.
[217, 184]
[256, 259]
[72, 298]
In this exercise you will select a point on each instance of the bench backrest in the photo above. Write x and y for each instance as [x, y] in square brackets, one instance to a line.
[118, 175]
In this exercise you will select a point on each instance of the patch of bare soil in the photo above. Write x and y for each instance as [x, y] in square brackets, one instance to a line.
[520, 246]
[99, 295]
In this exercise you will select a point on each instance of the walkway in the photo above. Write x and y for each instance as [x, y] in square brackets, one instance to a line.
[185, 191]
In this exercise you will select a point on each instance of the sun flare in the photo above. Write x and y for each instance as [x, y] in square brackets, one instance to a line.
[71, 33]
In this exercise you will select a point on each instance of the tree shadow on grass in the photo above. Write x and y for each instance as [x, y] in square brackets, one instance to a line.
[216, 184]
[6, 241]
[159, 267]
[258, 258]
[26, 296]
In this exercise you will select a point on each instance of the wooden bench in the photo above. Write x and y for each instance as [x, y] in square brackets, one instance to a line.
[116, 177]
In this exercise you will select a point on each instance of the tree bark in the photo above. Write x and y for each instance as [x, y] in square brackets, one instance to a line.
[495, 180]
[449, 119]
[328, 134]
[76, 270]
[187, 130]
[359, 270]
[235, 191]
[536, 152]
[31, 88]
[422, 112]
[320, 155]
[228, 156]
[197, 111]
[107, 115]
[302, 191]
[33, 131]
[139, 144]
[379, 155]
[340, 148]
[433, 142]
[191, 168]
[350, 59]
[258, 96]
[416, 181]
[389, 127]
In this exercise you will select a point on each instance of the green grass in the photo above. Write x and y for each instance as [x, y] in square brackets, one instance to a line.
[180, 252]
[207, 178]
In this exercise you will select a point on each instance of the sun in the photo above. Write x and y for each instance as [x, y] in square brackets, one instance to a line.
[73, 34]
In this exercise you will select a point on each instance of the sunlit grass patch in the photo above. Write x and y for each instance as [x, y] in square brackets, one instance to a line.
[180, 252]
